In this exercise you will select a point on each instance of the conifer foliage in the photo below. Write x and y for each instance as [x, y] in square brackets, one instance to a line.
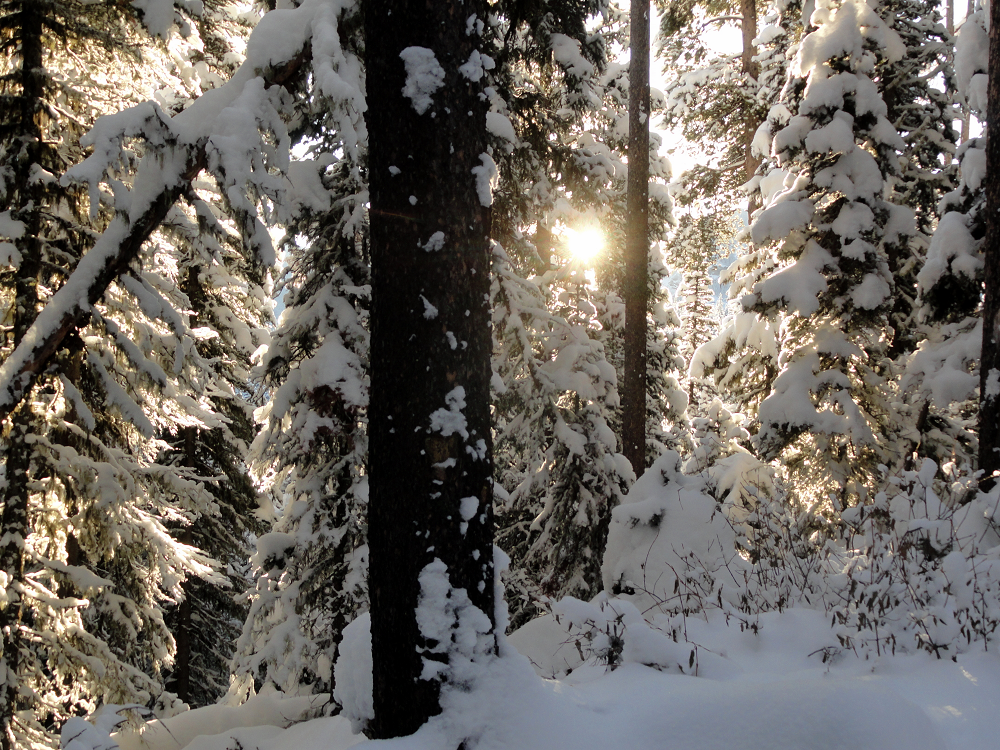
[310, 570]
[159, 423]
[93, 487]
[828, 412]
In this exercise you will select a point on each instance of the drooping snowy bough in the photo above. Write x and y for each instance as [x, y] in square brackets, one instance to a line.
[833, 228]
[234, 131]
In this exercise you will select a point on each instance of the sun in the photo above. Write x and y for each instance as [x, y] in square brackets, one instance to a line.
[584, 244]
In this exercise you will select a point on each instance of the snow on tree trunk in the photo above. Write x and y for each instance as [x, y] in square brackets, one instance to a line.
[989, 371]
[430, 458]
[750, 69]
[637, 243]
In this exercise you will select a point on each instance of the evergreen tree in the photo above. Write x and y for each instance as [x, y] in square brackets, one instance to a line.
[667, 404]
[555, 387]
[698, 244]
[555, 449]
[696, 248]
[558, 328]
[89, 563]
[311, 570]
[827, 415]
[941, 378]
[229, 309]
[742, 358]
[923, 116]
[716, 101]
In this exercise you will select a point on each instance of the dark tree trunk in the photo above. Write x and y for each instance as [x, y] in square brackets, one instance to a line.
[989, 373]
[180, 618]
[25, 207]
[429, 419]
[636, 290]
[179, 681]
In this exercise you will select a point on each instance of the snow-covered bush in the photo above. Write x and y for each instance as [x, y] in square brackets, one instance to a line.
[723, 539]
[614, 632]
[918, 568]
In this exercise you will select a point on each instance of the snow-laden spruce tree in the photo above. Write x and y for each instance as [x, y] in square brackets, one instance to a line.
[941, 378]
[224, 295]
[694, 249]
[921, 111]
[557, 456]
[561, 463]
[742, 358]
[89, 497]
[715, 99]
[579, 95]
[667, 403]
[311, 569]
[700, 241]
[828, 415]
[554, 388]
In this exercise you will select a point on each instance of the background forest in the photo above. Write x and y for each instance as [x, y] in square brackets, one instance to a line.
[185, 284]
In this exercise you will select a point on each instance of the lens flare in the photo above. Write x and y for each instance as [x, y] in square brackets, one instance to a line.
[585, 244]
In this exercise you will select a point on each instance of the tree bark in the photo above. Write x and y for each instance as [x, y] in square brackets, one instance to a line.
[751, 69]
[989, 372]
[430, 466]
[25, 207]
[636, 290]
[180, 619]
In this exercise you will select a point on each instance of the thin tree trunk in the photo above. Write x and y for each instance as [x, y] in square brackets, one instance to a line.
[751, 68]
[636, 290]
[180, 673]
[967, 117]
[15, 532]
[989, 383]
[430, 450]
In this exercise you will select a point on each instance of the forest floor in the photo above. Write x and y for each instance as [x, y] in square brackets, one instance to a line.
[771, 690]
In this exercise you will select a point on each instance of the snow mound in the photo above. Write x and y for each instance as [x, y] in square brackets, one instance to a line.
[667, 523]
[272, 711]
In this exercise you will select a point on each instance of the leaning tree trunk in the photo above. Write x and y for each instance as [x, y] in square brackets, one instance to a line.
[636, 290]
[430, 465]
[989, 371]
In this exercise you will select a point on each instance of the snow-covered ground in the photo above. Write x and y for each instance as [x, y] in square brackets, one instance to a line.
[770, 690]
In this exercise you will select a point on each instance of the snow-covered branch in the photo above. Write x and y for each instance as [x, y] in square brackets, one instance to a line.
[178, 149]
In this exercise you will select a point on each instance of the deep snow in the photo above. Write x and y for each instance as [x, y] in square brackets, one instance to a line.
[767, 690]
